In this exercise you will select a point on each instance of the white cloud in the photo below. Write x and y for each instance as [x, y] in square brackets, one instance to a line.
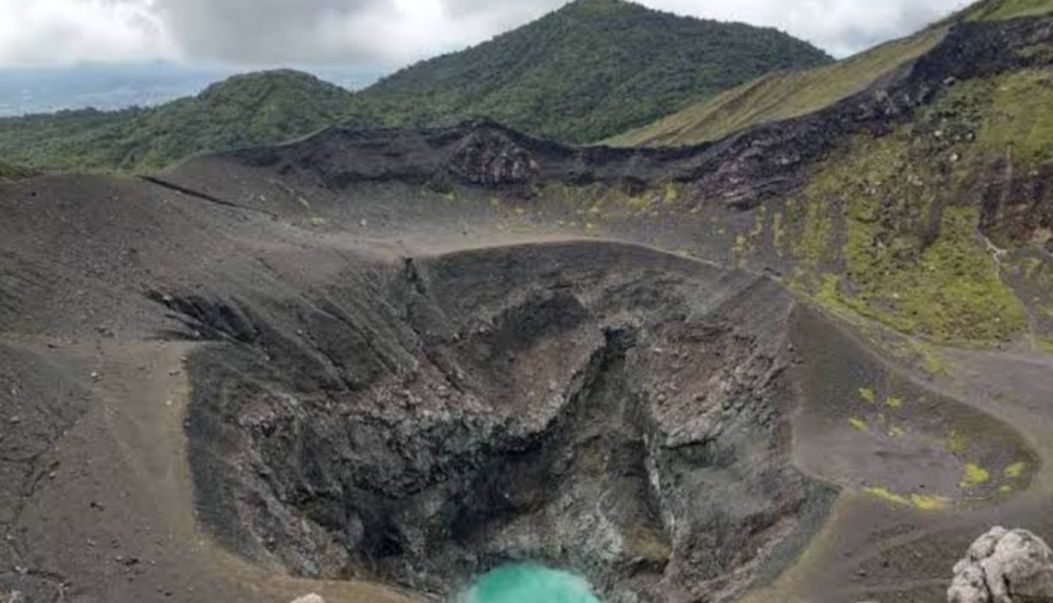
[841, 27]
[48, 32]
[384, 33]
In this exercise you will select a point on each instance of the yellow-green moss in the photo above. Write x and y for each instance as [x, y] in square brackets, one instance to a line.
[1020, 117]
[929, 502]
[955, 441]
[813, 243]
[1045, 344]
[924, 502]
[867, 394]
[992, 10]
[946, 288]
[894, 403]
[1015, 470]
[931, 360]
[973, 475]
[858, 423]
[778, 232]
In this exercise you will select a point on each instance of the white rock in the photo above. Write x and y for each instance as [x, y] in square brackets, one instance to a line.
[1004, 566]
[311, 598]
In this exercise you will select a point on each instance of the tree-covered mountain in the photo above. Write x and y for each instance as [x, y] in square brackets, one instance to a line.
[246, 110]
[587, 71]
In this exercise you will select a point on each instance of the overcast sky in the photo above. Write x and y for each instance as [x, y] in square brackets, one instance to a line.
[378, 34]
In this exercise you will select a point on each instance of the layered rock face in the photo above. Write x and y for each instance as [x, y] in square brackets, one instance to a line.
[595, 406]
[1004, 566]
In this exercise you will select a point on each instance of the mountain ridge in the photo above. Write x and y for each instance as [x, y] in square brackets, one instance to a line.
[783, 95]
[652, 61]
[589, 69]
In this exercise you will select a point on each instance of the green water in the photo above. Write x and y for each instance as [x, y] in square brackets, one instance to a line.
[529, 584]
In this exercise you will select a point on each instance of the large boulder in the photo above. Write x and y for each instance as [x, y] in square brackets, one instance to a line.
[1004, 566]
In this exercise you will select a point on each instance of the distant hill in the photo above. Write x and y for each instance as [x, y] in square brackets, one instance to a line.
[784, 95]
[247, 110]
[587, 71]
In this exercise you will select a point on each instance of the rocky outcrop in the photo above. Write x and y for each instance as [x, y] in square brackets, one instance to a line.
[488, 156]
[1004, 566]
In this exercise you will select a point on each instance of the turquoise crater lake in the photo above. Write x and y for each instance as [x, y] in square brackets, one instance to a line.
[529, 583]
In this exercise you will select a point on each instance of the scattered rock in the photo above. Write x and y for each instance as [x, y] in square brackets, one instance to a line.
[1004, 566]
[311, 598]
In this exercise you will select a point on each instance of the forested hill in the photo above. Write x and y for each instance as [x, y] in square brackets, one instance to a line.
[587, 71]
[247, 110]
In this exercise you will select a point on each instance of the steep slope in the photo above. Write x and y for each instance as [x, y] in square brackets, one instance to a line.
[786, 95]
[254, 109]
[781, 95]
[586, 71]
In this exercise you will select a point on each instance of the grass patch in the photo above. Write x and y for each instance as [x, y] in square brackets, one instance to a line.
[995, 10]
[1045, 344]
[924, 502]
[1015, 470]
[974, 475]
[1020, 117]
[907, 259]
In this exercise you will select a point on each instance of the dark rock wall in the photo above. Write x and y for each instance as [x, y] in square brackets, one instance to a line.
[590, 405]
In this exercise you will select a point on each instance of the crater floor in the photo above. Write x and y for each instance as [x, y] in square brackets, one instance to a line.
[239, 383]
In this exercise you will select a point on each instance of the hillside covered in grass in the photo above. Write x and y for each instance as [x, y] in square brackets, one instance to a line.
[248, 110]
[589, 70]
[784, 95]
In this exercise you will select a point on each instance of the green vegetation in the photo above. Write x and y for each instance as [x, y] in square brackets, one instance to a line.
[248, 110]
[1018, 119]
[778, 96]
[922, 502]
[903, 255]
[587, 71]
[994, 10]
[1015, 470]
[974, 475]
[10, 172]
